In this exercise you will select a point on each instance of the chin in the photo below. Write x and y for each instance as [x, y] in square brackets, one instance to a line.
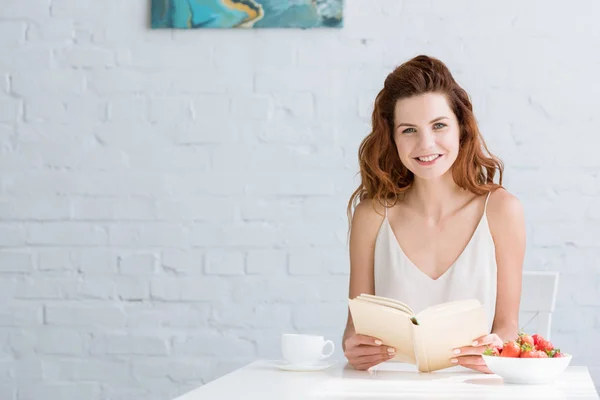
[430, 173]
[430, 177]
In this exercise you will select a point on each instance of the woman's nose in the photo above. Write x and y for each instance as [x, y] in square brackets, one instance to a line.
[426, 139]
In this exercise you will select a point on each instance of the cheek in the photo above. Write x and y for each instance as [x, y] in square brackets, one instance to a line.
[403, 150]
[451, 142]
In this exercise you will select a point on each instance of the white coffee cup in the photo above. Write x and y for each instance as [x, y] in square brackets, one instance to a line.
[299, 349]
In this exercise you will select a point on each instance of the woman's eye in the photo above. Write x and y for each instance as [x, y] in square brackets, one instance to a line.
[408, 130]
[439, 125]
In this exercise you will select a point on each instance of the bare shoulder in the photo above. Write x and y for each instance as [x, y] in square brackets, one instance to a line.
[368, 212]
[504, 212]
[503, 204]
[366, 221]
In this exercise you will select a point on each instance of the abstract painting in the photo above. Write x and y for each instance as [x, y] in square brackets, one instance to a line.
[194, 14]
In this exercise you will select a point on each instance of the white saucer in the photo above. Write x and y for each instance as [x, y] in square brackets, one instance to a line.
[320, 366]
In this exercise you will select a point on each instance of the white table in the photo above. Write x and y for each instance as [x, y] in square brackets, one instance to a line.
[263, 380]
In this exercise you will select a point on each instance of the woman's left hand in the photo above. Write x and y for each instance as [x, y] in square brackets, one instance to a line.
[470, 356]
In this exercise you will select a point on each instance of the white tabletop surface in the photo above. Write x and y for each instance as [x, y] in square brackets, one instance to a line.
[263, 380]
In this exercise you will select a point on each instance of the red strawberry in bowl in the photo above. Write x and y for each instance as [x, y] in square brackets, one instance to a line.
[531, 353]
[510, 349]
[524, 339]
[544, 345]
[527, 350]
[555, 353]
[539, 354]
[492, 351]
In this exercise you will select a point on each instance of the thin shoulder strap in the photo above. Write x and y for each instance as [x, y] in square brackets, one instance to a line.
[386, 206]
[486, 201]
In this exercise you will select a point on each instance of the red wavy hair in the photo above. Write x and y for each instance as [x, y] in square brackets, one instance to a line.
[383, 176]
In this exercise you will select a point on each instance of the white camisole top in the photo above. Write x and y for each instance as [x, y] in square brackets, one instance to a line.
[472, 275]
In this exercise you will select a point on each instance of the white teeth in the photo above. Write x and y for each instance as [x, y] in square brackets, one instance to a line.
[429, 158]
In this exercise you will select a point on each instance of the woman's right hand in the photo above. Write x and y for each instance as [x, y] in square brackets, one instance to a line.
[364, 352]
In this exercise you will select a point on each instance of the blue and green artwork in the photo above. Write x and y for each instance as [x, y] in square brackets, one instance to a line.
[193, 14]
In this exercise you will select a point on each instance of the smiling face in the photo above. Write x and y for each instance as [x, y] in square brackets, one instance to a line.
[427, 134]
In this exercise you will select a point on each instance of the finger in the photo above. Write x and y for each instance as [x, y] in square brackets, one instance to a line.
[367, 365]
[484, 341]
[369, 360]
[353, 353]
[363, 367]
[358, 366]
[468, 360]
[369, 340]
[480, 368]
[469, 350]
[373, 358]
[492, 339]
[371, 350]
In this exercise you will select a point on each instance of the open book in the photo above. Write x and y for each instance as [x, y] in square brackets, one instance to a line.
[425, 339]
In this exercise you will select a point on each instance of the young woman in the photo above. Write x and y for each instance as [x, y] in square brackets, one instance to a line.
[429, 223]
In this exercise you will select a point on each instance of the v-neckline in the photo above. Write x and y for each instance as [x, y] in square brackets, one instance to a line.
[447, 271]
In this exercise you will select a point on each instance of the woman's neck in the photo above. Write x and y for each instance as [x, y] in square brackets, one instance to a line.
[435, 199]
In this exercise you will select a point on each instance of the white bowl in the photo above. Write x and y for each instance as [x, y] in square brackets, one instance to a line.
[532, 371]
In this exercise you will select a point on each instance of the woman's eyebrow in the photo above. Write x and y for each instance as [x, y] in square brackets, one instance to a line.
[431, 122]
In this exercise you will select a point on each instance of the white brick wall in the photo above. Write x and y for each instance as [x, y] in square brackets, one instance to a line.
[170, 202]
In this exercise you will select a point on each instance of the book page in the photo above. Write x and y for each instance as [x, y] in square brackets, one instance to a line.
[445, 328]
[386, 301]
[393, 327]
[453, 307]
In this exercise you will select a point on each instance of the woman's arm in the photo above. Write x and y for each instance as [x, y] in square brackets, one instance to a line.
[363, 352]
[507, 225]
[365, 224]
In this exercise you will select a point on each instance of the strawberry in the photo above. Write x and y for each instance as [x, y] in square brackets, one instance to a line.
[554, 353]
[492, 351]
[540, 354]
[525, 339]
[526, 350]
[511, 349]
[544, 345]
[536, 338]
[529, 352]
[526, 354]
